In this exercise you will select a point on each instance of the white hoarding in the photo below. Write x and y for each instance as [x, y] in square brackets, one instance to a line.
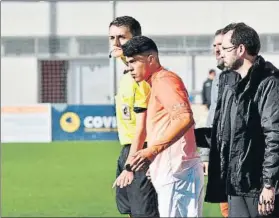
[28, 123]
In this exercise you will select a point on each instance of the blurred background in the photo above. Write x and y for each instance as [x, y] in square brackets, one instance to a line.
[58, 87]
[57, 51]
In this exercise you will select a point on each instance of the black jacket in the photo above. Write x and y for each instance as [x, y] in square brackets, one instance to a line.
[206, 92]
[241, 166]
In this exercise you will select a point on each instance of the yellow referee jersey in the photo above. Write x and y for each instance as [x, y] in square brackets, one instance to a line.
[131, 98]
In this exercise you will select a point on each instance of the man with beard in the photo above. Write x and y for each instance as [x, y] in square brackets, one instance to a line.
[244, 160]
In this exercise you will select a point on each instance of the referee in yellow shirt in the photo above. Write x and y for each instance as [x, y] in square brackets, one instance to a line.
[135, 194]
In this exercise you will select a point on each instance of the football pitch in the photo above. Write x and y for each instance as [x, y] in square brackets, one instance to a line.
[62, 179]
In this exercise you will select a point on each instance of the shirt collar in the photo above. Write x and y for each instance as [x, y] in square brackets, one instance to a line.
[152, 77]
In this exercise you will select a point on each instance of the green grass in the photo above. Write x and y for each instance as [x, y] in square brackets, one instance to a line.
[62, 179]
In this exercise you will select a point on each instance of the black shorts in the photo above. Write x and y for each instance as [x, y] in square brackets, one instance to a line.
[139, 199]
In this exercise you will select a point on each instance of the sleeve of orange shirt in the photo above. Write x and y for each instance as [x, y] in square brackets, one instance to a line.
[172, 94]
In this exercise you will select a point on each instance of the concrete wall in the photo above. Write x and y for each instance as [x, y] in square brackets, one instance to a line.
[198, 17]
[19, 76]
[24, 19]
[19, 81]
[85, 18]
[165, 17]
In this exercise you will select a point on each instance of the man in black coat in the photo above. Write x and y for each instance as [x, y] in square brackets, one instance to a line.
[206, 88]
[220, 81]
[244, 154]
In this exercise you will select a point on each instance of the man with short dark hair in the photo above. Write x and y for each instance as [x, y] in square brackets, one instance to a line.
[135, 194]
[214, 117]
[176, 169]
[244, 161]
[121, 30]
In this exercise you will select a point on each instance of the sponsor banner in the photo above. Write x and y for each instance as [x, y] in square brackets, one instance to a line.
[26, 123]
[84, 122]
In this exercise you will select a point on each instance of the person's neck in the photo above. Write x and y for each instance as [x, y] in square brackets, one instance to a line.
[247, 64]
[155, 69]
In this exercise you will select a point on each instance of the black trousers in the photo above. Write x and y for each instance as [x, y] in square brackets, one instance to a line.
[139, 199]
[248, 207]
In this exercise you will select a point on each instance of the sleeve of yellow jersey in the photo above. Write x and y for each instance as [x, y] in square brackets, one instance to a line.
[142, 94]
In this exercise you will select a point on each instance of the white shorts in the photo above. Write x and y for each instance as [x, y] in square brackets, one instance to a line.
[183, 198]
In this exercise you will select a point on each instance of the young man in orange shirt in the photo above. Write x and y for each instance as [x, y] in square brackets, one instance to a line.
[176, 170]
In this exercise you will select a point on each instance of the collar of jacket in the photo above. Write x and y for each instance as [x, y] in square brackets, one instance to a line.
[255, 75]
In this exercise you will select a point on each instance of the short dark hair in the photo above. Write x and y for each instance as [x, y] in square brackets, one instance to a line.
[219, 32]
[131, 23]
[139, 45]
[246, 35]
[211, 71]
